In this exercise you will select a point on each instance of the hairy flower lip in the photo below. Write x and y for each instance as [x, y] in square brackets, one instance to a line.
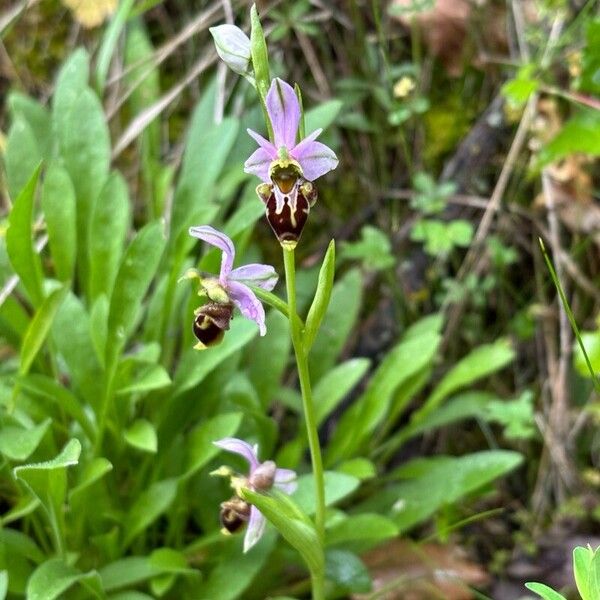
[314, 158]
[232, 284]
[261, 477]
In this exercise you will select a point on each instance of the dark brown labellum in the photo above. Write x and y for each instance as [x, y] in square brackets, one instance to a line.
[287, 205]
[211, 322]
[234, 514]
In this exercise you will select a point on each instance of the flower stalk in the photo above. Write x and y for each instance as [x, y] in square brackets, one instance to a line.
[301, 356]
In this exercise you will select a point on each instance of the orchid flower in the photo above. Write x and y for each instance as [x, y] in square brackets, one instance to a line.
[228, 290]
[312, 158]
[261, 478]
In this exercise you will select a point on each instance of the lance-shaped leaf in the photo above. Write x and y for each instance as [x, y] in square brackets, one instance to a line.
[54, 577]
[320, 302]
[19, 241]
[292, 523]
[18, 443]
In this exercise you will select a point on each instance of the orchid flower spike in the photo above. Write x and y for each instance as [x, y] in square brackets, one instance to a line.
[311, 159]
[228, 290]
[286, 168]
[261, 478]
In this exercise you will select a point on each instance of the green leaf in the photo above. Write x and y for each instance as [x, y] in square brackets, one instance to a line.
[145, 378]
[19, 241]
[481, 362]
[581, 133]
[21, 157]
[591, 342]
[360, 421]
[545, 592]
[18, 443]
[347, 571]
[137, 269]
[320, 302]
[39, 328]
[289, 519]
[109, 42]
[38, 118]
[338, 323]
[3, 584]
[85, 148]
[48, 482]
[148, 506]
[58, 204]
[323, 115]
[361, 468]
[337, 486]
[368, 526]
[200, 447]
[374, 250]
[334, 386]
[108, 228]
[590, 60]
[582, 569]
[94, 471]
[142, 435]
[54, 577]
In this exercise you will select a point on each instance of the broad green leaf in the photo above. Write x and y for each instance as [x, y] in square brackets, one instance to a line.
[199, 445]
[320, 302]
[294, 525]
[322, 116]
[71, 82]
[37, 116]
[146, 377]
[137, 269]
[367, 526]
[130, 594]
[21, 157]
[361, 468]
[274, 350]
[3, 584]
[49, 389]
[19, 240]
[94, 471]
[195, 365]
[148, 506]
[38, 329]
[337, 487]
[99, 326]
[71, 334]
[582, 568]
[360, 421]
[439, 482]
[108, 228]
[25, 506]
[591, 342]
[580, 134]
[594, 575]
[85, 148]
[481, 362]
[48, 481]
[545, 592]
[333, 387]
[207, 147]
[18, 443]
[235, 571]
[347, 571]
[338, 322]
[374, 249]
[59, 206]
[142, 435]
[54, 577]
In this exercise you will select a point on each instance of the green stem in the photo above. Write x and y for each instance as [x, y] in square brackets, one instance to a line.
[309, 412]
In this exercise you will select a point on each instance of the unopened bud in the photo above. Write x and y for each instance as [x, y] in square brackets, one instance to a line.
[233, 46]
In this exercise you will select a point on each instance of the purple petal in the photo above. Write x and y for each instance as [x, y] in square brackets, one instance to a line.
[285, 480]
[284, 111]
[263, 143]
[262, 276]
[315, 158]
[250, 307]
[211, 236]
[242, 448]
[258, 164]
[256, 528]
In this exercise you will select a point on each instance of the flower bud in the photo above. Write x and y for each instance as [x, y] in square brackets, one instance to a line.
[233, 46]
[263, 476]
